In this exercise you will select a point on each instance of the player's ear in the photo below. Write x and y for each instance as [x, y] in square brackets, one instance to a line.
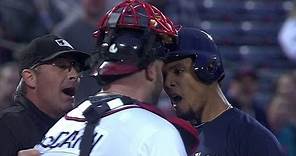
[29, 77]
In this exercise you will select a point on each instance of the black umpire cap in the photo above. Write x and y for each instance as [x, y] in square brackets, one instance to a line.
[48, 47]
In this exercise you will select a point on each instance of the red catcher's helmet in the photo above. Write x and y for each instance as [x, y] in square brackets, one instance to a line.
[137, 14]
[130, 36]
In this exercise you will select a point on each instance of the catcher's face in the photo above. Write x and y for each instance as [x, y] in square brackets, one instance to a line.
[186, 92]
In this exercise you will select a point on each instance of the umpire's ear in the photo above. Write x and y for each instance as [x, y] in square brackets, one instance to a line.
[29, 77]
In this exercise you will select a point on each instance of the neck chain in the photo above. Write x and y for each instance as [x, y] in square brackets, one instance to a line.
[228, 107]
[202, 123]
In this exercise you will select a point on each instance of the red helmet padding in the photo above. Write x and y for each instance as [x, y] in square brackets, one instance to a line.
[112, 68]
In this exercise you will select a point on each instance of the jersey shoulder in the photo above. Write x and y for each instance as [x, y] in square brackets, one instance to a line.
[249, 131]
[139, 116]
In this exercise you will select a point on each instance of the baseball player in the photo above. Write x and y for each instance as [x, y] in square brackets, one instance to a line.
[192, 75]
[122, 119]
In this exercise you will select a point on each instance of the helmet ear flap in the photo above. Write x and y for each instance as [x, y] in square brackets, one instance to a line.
[211, 66]
[208, 69]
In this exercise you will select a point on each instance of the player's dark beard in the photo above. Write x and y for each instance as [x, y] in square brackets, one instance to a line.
[191, 117]
[186, 116]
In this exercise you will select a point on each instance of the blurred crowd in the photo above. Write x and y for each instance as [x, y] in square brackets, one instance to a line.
[76, 20]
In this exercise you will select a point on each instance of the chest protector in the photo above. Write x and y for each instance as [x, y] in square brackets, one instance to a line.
[103, 106]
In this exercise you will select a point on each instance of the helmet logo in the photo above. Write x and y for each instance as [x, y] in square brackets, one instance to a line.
[153, 23]
[113, 48]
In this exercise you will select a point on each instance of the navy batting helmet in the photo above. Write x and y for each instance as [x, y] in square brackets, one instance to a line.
[200, 46]
[130, 36]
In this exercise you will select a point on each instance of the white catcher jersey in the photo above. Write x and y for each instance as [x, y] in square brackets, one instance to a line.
[129, 132]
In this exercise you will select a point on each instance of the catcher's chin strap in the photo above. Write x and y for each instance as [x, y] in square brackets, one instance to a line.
[93, 114]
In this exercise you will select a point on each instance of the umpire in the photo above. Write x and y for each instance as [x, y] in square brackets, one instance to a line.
[49, 69]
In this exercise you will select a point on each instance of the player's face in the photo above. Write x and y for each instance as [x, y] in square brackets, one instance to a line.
[186, 92]
[56, 83]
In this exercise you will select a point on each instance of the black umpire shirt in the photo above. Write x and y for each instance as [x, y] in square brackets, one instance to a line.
[22, 126]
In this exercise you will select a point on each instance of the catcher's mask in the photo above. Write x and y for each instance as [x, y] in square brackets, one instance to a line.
[131, 36]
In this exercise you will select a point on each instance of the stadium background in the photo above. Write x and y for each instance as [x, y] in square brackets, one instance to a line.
[246, 32]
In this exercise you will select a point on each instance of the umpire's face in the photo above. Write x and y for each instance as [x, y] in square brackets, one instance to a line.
[53, 85]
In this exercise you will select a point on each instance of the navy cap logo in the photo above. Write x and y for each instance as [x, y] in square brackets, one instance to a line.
[62, 43]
